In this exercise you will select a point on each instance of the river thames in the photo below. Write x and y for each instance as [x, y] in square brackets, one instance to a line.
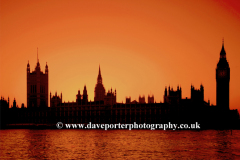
[123, 144]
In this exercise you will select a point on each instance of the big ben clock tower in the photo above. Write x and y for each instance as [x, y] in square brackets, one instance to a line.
[222, 81]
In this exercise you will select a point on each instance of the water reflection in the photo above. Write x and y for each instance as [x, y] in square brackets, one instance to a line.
[224, 145]
[100, 144]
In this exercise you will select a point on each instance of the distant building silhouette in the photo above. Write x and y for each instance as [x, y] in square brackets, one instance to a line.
[197, 95]
[171, 96]
[100, 95]
[110, 98]
[55, 100]
[4, 116]
[37, 87]
[128, 100]
[99, 88]
[14, 104]
[150, 99]
[142, 99]
[85, 95]
[4, 103]
[222, 81]
[79, 98]
[106, 109]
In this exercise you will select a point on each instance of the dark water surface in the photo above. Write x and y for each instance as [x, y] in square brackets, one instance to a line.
[111, 144]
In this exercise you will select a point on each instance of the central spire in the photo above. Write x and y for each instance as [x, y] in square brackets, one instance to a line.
[38, 65]
[99, 73]
[37, 55]
[223, 53]
[99, 79]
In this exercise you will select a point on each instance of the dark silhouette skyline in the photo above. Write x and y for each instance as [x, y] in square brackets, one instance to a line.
[37, 86]
[141, 45]
[105, 108]
[222, 81]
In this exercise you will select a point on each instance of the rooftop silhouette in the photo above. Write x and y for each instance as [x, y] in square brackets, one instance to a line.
[106, 109]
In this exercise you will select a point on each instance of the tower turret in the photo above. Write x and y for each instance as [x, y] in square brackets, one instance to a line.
[222, 81]
[14, 103]
[78, 98]
[165, 92]
[99, 92]
[85, 95]
[99, 79]
[46, 69]
[37, 86]
[28, 67]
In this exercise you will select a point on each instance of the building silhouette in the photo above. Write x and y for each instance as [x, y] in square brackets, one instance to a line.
[141, 99]
[56, 100]
[222, 81]
[99, 92]
[85, 95]
[110, 98]
[37, 86]
[172, 97]
[150, 99]
[197, 95]
[106, 109]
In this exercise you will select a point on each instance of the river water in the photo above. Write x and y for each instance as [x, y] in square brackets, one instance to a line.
[123, 144]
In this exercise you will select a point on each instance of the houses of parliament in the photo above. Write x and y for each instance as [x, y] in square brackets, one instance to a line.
[106, 109]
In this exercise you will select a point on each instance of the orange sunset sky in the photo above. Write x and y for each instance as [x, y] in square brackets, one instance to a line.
[141, 46]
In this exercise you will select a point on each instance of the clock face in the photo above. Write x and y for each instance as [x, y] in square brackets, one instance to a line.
[222, 73]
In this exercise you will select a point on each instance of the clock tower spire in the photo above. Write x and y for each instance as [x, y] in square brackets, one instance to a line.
[222, 81]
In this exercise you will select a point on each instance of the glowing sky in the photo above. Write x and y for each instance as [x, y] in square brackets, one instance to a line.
[141, 46]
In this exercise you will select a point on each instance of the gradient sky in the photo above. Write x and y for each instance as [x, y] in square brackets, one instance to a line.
[141, 46]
